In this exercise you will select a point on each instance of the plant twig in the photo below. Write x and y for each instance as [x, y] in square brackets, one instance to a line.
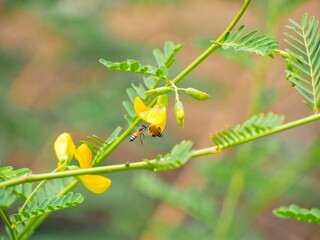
[146, 165]
[8, 224]
[213, 47]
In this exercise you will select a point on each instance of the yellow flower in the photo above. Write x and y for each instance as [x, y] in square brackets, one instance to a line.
[95, 183]
[64, 149]
[156, 115]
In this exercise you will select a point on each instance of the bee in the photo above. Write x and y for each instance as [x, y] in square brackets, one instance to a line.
[138, 133]
[155, 131]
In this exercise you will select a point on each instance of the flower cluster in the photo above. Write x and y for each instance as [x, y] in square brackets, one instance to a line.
[65, 151]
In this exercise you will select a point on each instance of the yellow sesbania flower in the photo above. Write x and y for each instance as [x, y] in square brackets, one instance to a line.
[95, 183]
[64, 149]
[156, 115]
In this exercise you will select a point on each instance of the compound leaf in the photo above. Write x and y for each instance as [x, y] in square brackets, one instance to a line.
[297, 213]
[179, 155]
[261, 45]
[303, 69]
[254, 127]
[133, 66]
[36, 209]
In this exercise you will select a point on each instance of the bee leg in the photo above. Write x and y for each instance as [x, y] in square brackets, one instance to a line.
[160, 133]
[141, 138]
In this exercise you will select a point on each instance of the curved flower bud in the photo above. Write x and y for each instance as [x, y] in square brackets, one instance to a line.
[95, 183]
[64, 149]
[157, 115]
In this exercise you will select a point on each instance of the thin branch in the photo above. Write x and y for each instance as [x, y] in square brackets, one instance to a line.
[213, 47]
[149, 165]
[8, 224]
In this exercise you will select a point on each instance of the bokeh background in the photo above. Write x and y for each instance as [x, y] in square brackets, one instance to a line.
[51, 82]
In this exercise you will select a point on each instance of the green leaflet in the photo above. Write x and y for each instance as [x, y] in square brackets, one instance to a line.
[7, 197]
[98, 146]
[303, 63]
[297, 213]
[179, 155]
[250, 129]
[48, 205]
[170, 50]
[261, 45]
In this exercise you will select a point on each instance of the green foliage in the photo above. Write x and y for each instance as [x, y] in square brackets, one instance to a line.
[179, 155]
[134, 67]
[7, 173]
[7, 197]
[191, 201]
[254, 127]
[23, 191]
[167, 57]
[241, 58]
[164, 60]
[304, 61]
[261, 45]
[297, 213]
[48, 205]
[98, 146]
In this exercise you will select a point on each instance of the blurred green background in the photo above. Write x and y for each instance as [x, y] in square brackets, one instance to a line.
[51, 82]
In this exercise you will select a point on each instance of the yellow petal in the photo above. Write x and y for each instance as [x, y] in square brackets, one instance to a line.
[95, 183]
[156, 116]
[64, 147]
[139, 106]
[84, 156]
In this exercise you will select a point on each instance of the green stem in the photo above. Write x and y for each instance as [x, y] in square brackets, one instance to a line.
[117, 142]
[8, 224]
[98, 170]
[213, 47]
[148, 166]
[230, 204]
[122, 137]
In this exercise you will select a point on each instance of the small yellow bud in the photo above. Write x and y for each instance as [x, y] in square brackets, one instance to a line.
[64, 148]
[179, 113]
[158, 91]
[197, 94]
